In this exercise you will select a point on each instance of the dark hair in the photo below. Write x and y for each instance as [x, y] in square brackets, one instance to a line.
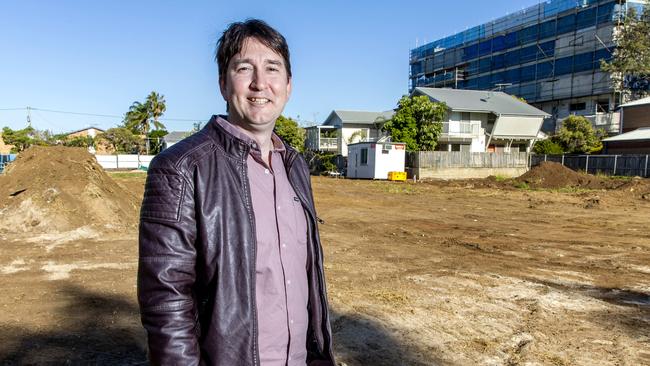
[233, 38]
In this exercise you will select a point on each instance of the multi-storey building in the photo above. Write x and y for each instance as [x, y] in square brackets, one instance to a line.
[549, 54]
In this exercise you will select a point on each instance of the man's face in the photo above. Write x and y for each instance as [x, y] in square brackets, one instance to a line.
[256, 87]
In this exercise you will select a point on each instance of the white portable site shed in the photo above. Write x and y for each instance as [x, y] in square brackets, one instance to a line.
[373, 160]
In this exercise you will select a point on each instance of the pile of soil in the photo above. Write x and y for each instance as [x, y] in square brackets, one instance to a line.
[637, 187]
[551, 175]
[56, 189]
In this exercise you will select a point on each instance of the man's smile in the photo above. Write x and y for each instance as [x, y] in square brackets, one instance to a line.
[259, 101]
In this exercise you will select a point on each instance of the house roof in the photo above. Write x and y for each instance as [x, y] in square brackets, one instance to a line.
[86, 129]
[641, 101]
[176, 136]
[363, 117]
[480, 101]
[638, 134]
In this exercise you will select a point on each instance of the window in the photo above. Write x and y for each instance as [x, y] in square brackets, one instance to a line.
[564, 65]
[484, 82]
[546, 49]
[528, 35]
[602, 106]
[587, 18]
[498, 61]
[512, 58]
[566, 24]
[470, 52]
[527, 54]
[601, 54]
[364, 156]
[573, 107]
[499, 43]
[455, 147]
[498, 78]
[583, 62]
[528, 73]
[512, 76]
[511, 40]
[485, 47]
[484, 65]
[544, 70]
[605, 12]
[472, 68]
[547, 29]
[464, 116]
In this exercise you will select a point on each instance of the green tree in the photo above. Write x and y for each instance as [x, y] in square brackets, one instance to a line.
[79, 141]
[290, 132]
[142, 116]
[578, 136]
[21, 139]
[122, 140]
[156, 142]
[548, 146]
[417, 122]
[631, 58]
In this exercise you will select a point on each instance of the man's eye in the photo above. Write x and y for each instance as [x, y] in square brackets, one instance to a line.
[243, 68]
[273, 69]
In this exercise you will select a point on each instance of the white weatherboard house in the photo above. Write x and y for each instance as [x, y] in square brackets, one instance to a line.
[342, 128]
[373, 160]
[485, 121]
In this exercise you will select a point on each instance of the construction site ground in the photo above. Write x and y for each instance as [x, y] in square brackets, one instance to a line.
[479, 272]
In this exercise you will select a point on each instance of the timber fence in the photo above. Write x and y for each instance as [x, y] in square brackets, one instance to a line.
[464, 159]
[627, 165]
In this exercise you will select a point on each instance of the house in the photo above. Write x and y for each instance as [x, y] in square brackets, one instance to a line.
[88, 131]
[343, 127]
[633, 142]
[635, 115]
[485, 121]
[174, 137]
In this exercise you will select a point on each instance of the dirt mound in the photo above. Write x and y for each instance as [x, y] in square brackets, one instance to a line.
[56, 189]
[551, 175]
[637, 187]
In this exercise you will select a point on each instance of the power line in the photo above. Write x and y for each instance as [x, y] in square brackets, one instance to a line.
[94, 114]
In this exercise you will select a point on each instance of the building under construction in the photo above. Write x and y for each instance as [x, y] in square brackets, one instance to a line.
[549, 54]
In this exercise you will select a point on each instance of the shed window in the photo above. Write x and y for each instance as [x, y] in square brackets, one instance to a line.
[364, 156]
[577, 106]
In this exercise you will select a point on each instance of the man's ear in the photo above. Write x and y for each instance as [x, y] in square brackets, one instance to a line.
[222, 87]
[289, 87]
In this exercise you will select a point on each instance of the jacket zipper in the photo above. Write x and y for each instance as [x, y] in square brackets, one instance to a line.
[251, 216]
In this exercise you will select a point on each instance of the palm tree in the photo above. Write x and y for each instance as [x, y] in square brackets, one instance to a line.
[141, 116]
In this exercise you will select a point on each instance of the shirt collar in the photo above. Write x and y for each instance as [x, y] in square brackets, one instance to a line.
[237, 132]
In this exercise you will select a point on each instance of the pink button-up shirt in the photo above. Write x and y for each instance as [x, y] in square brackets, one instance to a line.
[281, 289]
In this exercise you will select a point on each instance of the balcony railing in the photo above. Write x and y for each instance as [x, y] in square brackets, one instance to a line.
[610, 122]
[461, 129]
[328, 143]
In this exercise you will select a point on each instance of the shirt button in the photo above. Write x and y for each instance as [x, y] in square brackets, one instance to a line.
[278, 207]
[291, 321]
[288, 283]
[266, 171]
[284, 245]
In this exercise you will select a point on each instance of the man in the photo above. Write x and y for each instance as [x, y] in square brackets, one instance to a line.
[231, 267]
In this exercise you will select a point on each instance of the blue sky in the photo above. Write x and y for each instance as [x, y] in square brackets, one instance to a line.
[99, 56]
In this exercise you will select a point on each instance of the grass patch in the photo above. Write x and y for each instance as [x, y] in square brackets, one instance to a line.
[522, 185]
[127, 175]
[500, 178]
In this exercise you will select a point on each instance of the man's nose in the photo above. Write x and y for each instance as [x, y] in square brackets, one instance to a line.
[259, 81]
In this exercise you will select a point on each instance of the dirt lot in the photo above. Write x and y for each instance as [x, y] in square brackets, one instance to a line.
[427, 273]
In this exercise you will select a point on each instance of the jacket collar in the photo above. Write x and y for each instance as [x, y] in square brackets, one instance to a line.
[236, 143]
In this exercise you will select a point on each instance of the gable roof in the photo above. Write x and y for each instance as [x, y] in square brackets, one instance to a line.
[176, 136]
[461, 100]
[633, 103]
[362, 117]
[86, 129]
[638, 134]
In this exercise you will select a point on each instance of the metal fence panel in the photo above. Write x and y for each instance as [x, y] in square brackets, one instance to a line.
[6, 159]
[626, 165]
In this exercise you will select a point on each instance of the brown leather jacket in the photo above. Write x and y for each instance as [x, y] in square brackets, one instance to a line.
[196, 275]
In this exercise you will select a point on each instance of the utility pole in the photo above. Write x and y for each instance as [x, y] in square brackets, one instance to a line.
[29, 116]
